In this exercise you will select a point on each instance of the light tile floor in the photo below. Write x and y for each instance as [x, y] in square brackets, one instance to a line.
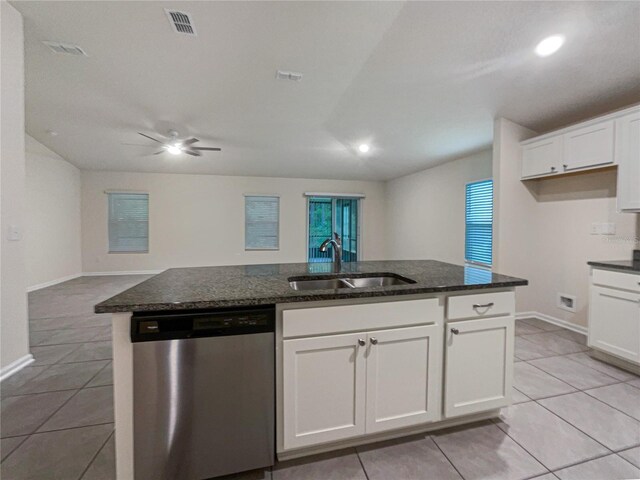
[573, 417]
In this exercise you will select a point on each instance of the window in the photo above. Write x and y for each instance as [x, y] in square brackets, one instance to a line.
[261, 222]
[128, 222]
[333, 214]
[479, 222]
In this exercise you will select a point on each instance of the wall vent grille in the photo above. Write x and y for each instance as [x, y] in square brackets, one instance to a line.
[65, 48]
[181, 22]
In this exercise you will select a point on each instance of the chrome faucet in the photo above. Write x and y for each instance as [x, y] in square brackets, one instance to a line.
[337, 250]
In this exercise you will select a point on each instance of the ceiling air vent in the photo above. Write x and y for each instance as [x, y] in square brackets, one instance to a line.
[181, 22]
[65, 48]
[284, 75]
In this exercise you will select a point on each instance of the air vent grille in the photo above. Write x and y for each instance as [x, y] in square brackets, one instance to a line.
[65, 48]
[181, 22]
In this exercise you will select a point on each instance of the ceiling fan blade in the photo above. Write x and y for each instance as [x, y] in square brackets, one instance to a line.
[150, 138]
[138, 145]
[213, 149]
[190, 141]
[192, 152]
[152, 154]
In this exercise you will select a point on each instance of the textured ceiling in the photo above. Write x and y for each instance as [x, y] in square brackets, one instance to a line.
[420, 81]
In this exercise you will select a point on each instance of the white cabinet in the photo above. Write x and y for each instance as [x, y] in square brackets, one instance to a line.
[628, 159]
[341, 386]
[608, 140]
[324, 388]
[542, 157]
[478, 365]
[614, 314]
[403, 377]
[588, 146]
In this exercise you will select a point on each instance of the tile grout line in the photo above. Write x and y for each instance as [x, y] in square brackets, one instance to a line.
[609, 405]
[96, 455]
[573, 386]
[495, 420]
[445, 456]
[364, 470]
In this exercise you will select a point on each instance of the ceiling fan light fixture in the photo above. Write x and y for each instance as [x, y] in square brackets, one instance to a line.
[174, 149]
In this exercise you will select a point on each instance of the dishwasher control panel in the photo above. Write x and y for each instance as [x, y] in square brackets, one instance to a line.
[147, 326]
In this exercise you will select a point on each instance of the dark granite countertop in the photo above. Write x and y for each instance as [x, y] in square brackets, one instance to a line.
[244, 285]
[625, 265]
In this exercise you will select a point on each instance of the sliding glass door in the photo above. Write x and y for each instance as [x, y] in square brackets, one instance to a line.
[327, 215]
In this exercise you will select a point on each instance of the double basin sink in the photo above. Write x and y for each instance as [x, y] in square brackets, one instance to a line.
[360, 281]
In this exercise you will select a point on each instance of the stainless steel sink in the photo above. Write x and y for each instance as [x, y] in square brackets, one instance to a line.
[328, 284]
[300, 283]
[386, 281]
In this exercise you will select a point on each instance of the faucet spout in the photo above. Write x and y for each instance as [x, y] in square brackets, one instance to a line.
[337, 250]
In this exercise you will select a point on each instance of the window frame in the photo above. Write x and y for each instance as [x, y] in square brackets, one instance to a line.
[467, 261]
[335, 196]
[261, 249]
[109, 223]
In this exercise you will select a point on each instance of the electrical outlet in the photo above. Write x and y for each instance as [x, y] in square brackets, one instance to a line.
[14, 233]
[596, 228]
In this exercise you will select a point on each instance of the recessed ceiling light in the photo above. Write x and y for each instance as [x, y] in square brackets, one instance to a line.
[363, 148]
[549, 45]
[174, 149]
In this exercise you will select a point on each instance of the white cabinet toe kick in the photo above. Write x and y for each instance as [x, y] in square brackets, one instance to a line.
[355, 372]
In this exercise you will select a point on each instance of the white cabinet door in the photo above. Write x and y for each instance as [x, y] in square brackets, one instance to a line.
[588, 146]
[542, 157]
[404, 368]
[478, 365]
[614, 322]
[628, 158]
[323, 389]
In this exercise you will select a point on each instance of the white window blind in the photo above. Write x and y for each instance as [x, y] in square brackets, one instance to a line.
[479, 222]
[128, 222]
[261, 222]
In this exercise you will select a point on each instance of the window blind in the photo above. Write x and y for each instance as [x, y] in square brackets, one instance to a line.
[262, 222]
[479, 222]
[128, 222]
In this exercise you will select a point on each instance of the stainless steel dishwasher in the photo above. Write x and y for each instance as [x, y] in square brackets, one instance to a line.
[203, 393]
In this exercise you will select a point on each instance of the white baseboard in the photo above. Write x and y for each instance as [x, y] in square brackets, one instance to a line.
[129, 272]
[50, 283]
[552, 320]
[13, 367]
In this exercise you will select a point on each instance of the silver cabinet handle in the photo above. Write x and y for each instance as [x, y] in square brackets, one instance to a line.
[565, 166]
[374, 341]
[361, 342]
[455, 331]
[486, 305]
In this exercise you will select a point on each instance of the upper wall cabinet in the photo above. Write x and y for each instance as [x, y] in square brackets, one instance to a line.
[542, 157]
[588, 147]
[627, 152]
[613, 139]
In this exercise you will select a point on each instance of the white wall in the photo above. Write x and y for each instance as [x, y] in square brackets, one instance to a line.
[425, 210]
[198, 220]
[543, 228]
[53, 216]
[13, 282]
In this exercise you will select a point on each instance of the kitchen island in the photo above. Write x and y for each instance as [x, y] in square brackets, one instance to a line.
[430, 347]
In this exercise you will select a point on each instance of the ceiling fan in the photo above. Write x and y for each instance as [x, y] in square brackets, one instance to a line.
[175, 146]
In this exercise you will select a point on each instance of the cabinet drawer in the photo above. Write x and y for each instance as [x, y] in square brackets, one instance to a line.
[623, 281]
[370, 316]
[481, 305]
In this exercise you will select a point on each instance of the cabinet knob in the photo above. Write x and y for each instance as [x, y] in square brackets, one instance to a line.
[455, 331]
[374, 341]
[361, 342]
[565, 166]
[553, 169]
